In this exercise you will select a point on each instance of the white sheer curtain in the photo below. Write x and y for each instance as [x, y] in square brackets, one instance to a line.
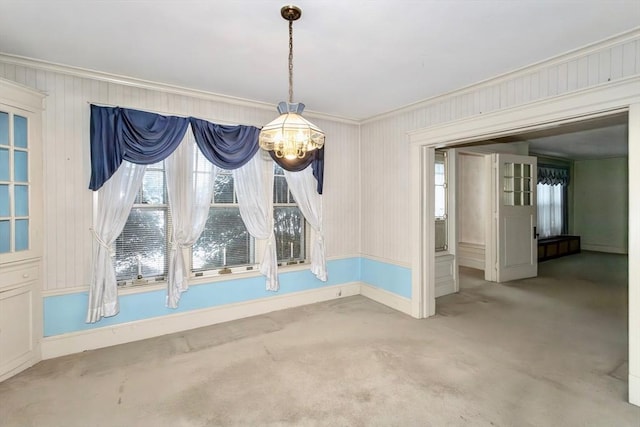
[190, 178]
[115, 199]
[550, 210]
[254, 188]
[303, 188]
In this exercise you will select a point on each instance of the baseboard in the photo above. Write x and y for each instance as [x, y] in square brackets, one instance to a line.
[77, 342]
[19, 368]
[603, 248]
[387, 298]
[471, 255]
[445, 275]
[445, 288]
[634, 390]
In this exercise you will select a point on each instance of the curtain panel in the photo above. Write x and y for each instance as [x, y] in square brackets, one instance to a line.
[551, 210]
[310, 203]
[553, 175]
[190, 180]
[254, 188]
[115, 200]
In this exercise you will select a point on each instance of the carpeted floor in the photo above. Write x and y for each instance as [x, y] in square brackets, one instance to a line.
[549, 351]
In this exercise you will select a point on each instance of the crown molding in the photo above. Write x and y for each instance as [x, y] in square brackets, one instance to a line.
[618, 39]
[157, 86]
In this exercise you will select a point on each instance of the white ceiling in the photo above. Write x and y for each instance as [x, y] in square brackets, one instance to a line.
[589, 139]
[352, 58]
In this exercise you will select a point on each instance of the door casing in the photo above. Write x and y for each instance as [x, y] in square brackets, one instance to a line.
[602, 100]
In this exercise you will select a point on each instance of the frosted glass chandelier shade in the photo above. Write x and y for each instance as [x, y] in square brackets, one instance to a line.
[290, 135]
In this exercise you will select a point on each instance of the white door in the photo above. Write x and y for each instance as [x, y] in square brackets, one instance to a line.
[515, 217]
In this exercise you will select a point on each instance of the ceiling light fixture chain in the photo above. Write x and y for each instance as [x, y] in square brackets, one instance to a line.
[290, 61]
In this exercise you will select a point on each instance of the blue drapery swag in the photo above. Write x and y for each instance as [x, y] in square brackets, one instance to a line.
[553, 175]
[139, 137]
[145, 138]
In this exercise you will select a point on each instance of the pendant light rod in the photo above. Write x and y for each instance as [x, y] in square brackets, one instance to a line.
[291, 62]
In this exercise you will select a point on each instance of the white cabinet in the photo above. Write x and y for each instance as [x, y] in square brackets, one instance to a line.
[19, 313]
[20, 228]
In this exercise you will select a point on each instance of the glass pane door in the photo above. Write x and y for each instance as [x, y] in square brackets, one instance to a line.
[14, 183]
[516, 186]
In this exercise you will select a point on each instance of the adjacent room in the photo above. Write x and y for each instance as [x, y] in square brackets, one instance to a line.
[581, 195]
[329, 213]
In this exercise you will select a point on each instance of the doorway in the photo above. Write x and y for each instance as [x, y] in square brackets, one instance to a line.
[583, 190]
[596, 102]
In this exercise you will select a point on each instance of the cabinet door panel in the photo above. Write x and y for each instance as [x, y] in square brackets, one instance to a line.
[16, 339]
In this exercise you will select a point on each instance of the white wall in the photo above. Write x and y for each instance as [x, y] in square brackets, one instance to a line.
[68, 202]
[601, 204]
[472, 198]
[473, 192]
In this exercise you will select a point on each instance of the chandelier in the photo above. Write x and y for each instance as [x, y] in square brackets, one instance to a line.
[290, 135]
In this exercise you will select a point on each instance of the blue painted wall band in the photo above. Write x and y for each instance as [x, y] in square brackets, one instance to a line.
[66, 313]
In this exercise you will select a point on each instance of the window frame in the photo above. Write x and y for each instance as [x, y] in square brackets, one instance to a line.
[202, 276]
[442, 221]
[163, 207]
[224, 270]
[304, 244]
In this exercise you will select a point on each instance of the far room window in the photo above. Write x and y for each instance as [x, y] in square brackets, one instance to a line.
[441, 200]
[552, 200]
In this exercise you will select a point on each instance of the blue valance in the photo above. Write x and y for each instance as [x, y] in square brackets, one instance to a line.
[553, 175]
[119, 134]
[314, 158]
[228, 147]
[145, 138]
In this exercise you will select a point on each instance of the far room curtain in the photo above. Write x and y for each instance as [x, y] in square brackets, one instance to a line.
[550, 210]
[254, 188]
[552, 194]
[190, 179]
[303, 188]
[115, 199]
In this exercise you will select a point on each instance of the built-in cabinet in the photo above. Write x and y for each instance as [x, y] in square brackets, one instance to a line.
[21, 220]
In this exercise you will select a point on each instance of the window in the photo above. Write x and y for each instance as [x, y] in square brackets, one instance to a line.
[225, 241]
[552, 210]
[441, 200]
[143, 246]
[289, 223]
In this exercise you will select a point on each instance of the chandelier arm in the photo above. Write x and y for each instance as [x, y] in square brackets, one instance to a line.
[290, 61]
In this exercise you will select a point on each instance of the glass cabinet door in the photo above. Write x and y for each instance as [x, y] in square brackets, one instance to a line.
[14, 183]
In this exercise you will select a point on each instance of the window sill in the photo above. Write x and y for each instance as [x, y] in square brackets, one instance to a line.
[210, 278]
